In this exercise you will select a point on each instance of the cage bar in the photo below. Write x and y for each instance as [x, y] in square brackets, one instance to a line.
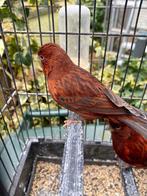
[93, 23]
[22, 146]
[106, 43]
[120, 39]
[33, 69]
[135, 28]
[97, 34]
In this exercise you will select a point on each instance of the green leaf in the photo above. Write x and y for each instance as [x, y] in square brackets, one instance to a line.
[32, 1]
[18, 57]
[23, 57]
[27, 59]
[4, 13]
[34, 45]
[27, 11]
[20, 24]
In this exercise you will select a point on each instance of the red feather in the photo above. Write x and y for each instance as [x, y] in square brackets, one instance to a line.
[77, 90]
[130, 146]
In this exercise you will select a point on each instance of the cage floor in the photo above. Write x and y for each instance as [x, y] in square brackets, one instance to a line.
[102, 180]
[46, 178]
[140, 176]
[99, 179]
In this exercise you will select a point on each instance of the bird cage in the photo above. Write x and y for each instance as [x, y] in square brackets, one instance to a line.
[37, 155]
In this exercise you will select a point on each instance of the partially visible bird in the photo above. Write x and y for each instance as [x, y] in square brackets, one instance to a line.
[129, 145]
[77, 90]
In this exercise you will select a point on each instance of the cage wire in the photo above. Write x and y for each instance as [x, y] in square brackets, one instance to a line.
[27, 109]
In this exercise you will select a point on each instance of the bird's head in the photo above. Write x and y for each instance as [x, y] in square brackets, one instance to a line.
[52, 56]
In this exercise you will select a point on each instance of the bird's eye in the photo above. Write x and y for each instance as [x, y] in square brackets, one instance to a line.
[41, 57]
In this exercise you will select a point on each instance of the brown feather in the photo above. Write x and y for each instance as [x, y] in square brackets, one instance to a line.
[131, 147]
[77, 90]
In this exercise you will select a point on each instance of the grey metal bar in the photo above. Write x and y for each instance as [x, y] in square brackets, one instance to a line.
[5, 99]
[8, 101]
[120, 39]
[109, 19]
[10, 136]
[54, 40]
[7, 151]
[66, 27]
[39, 22]
[40, 94]
[49, 110]
[85, 132]
[104, 61]
[72, 164]
[53, 23]
[15, 130]
[22, 68]
[4, 165]
[41, 41]
[49, 21]
[17, 178]
[103, 135]
[33, 68]
[96, 34]
[135, 28]
[11, 71]
[79, 36]
[139, 69]
[93, 23]
[95, 125]
[90, 7]
[63, 112]
[143, 94]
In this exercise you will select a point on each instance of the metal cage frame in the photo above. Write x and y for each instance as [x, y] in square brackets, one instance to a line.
[22, 138]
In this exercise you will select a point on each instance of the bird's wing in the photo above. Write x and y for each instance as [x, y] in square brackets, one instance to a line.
[83, 94]
[79, 91]
[136, 123]
[95, 105]
[118, 101]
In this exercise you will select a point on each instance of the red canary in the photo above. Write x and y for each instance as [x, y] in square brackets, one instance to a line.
[77, 90]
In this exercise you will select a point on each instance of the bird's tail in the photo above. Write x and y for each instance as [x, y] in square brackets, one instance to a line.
[138, 124]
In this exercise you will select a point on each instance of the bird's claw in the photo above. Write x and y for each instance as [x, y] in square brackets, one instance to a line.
[123, 164]
[69, 122]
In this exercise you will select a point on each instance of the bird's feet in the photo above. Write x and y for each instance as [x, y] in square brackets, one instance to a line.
[69, 122]
[123, 164]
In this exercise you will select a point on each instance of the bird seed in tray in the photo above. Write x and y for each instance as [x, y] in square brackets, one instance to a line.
[102, 180]
[140, 176]
[98, 179]
[46, 179]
